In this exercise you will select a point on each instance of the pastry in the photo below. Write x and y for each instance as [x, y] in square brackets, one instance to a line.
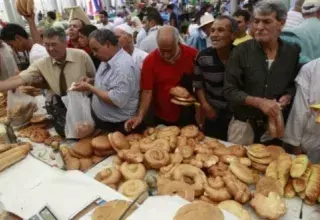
[215, 183]
[168, 131]
[189, 131]
[185, 151]
[179, 92]
[289, 192]
[131, 156]
[182, 141]
[270, 207]
[39, 135]
[176, 158]
[221, 151]
[284, 164]
[101, 143]
[52, 139]
[235, 208]
[242, 172]
[30, 7]
[265, 160]
[159, 143]
[85, 164]
[258, 151]
[220, 169]
[118, 141]
[132, 171]
[134, 137]
[207, 160]
[96, 159]
[275, 151]
[199, 211]
[218, 195]
[83, 147]
[238, 189]
[300, 184]
[271, 170]
[259, 167]
[109, 176]
[113, 210]
[238, 150]
[5, 147]
[299, 166]
[167, 187]
[313, 186]
[157, 158]
[134, 188]
[13, 156]
[265, 185]
[103, 153]
[38, 119]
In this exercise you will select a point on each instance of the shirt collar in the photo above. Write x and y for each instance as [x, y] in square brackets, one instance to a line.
[69, 58]
[112, 61]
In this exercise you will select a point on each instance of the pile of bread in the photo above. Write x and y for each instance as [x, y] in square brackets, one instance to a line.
[20, 113]
[204, 169]
[181, 96]
[12, 153]
[37, 132]
[25, 7]
[3, 105]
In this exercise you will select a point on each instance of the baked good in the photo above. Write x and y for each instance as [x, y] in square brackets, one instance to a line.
[30, 7]
[113, 210]
[284, 165]
[289, 192]
[39, 135]
[118, 141]
[83, 147]
[258, 151]
[242, 172]
[265, 160]
[220, 151]
[238, 189]
[272, 170]
[275, 151]
[200, 211]
[270, 207]
[70, 162]
[103, 153]
[186, 151]
[179, 91]
[265, 185]
[134, 137]
[167, 187]
[101, 143]
[83, 129]
[220, 169]
[176, 158]
[215, 183]
[259, 167]
[38, 119]
[157, 158]
[52, 139]
[5, 147]
[133, 188]
[300, 184]
[85, 163]
[238, 150]
[132, 171]
[313, 186]
[13, 156]
[168, 131]
[299, 166]
[95, 159]
[218, 195]
[182, 141]
[235, 208]
[131, 156]
[146, 144]
[207, 160]
[189, 131]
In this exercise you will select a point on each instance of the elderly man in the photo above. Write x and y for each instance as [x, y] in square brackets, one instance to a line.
[125, 36]
[73, 32]
[260, 74]
[59, 70]
[169, 66]
[209, 76]
[116, 89]
[307, 33]
[302, 131]
[200, 38]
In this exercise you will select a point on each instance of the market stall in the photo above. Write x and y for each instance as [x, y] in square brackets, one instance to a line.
[167, 172]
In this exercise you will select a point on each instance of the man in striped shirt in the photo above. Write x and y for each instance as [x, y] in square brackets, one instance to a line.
[209, 77]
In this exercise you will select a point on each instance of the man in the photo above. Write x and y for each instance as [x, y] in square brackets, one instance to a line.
[168, 66]
[302, 131]
[173, 20]
[125, 36]
[243, 19]
[200, 39]
[295, 15]
[209, 73]
[59, 70]
[116, 89]
[103, 15]
[260, 73]
[307, 33]
[8, 65]
[142, 34]
[16, 36]
[73, 33]
[152, 25]
[118, 20]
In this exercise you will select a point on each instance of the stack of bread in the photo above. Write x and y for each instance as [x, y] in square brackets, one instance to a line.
[13, 153]
[181, 96]
[25, 7]
[30, 90]
[3, 105]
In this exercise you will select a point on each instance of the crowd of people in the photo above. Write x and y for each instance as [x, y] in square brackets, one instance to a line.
[244, 70]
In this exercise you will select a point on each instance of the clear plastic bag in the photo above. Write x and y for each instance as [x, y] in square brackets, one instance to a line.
[79, 122]
[240, 132]
[276, 126]
[20, 108]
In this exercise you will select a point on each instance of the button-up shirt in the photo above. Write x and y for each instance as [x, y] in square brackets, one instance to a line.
[149, 44]
[120, 77]
[78, 64]
[248, 74]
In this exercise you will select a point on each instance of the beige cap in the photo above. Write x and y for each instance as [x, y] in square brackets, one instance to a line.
[78, 13]
[206, 19]
[310, 6]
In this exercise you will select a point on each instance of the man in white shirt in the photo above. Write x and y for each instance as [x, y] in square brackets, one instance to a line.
[302, 131]
[153, 23]
[294, 17]
[125, 36]
[105, 23]
[118, 20]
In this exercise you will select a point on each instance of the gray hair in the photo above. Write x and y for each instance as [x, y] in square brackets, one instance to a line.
[266, 7]
[233, 22]
[103, 36]
[175, 34]
[55, 32]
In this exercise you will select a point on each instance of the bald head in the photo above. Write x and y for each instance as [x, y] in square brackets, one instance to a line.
[168, 35]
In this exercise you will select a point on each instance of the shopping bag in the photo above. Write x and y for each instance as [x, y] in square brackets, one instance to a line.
[240, 132]
[79, 121]
[20, 108]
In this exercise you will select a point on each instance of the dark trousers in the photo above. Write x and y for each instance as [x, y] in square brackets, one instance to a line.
[218, 127]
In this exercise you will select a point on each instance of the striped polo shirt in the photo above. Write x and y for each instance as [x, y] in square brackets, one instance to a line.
[120, 77]
[209, 75]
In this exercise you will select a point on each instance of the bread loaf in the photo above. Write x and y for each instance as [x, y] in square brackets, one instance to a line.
[300, 184]
[30, 7]
[313, 187]
[19, 8]
[12, 156]
[299, 166]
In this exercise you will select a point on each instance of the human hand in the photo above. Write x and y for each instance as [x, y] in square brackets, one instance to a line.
[81, 87]
[270, 107]
[30, 18]
[132, 123]
[284, 100]
[209, 112]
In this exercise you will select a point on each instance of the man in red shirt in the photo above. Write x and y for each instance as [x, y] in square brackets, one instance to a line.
[73, 33]
[168, 66]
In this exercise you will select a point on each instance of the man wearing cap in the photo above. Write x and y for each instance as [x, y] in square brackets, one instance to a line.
[125, 36]
[307, 33]
[200, 39]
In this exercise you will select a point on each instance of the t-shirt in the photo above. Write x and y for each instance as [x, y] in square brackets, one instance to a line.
[294, 18]
[138, 57]
[160, 76]
[37, 51]
[108, 26]
[241, 40]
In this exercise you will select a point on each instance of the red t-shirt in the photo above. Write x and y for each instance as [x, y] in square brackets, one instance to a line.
[70, 45]
[160, 76]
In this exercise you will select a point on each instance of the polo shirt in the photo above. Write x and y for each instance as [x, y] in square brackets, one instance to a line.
[47, 70]
[241, 40]
[160, 76]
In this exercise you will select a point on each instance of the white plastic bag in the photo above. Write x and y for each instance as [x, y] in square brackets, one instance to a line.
[79, 122]
[240, 132]
[20, 108]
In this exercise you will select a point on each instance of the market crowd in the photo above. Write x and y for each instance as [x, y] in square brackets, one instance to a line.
[245, 69]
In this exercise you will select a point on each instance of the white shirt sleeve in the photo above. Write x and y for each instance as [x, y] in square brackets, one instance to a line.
[37, 51]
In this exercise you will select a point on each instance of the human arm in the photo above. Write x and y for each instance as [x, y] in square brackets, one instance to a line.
[33, 29]
[90, 69]
[11, 83]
